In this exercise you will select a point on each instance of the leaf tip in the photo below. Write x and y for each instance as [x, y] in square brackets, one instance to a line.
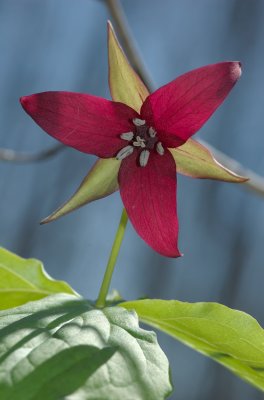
[234, 176]
[110, 32]
[50, 218]
[109, 25]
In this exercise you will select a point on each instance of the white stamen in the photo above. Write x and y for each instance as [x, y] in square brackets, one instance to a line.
[152, 132]
[125, 152]
[160, 148]
[143, 158]
[127, 135]
[138, 122]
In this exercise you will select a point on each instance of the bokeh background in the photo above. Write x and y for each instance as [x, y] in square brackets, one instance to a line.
[61, 45]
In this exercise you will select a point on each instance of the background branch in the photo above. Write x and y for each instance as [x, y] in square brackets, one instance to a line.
[24, 157]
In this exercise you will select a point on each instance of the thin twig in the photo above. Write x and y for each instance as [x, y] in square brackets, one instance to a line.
[255, 182]
[24, 157]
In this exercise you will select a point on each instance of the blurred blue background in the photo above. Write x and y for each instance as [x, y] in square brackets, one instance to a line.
[61, 45]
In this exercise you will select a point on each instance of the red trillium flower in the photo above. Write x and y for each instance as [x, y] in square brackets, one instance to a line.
[107, 129]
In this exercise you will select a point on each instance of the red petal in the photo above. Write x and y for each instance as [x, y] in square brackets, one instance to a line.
[87, 123]
[180, 108]
[149, 196]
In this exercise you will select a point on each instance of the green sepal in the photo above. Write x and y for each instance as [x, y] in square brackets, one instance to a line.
[101, 181]
[195, 160]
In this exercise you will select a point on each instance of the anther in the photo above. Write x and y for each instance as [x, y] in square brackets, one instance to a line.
[152, 132]
[143, 158]
[160, 148]
[138, 122]
[127, 136]
[125, 152]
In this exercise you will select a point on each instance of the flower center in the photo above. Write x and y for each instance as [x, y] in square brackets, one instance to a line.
[144, 139]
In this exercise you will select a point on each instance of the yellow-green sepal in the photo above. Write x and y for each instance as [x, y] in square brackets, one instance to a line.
[195, 160]
[101, 181]
[125, 85]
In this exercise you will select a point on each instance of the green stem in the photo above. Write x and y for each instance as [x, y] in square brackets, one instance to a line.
[100, 303]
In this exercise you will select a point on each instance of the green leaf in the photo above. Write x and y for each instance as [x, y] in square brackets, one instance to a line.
[125, 85]
[195, 160]
[53, 348]
[100, 181]
[230, 337]
[23, 280]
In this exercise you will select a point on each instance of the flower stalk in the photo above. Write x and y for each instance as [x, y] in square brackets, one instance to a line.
[101, 300]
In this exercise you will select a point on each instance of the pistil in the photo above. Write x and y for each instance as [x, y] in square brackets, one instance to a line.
[144, 139]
